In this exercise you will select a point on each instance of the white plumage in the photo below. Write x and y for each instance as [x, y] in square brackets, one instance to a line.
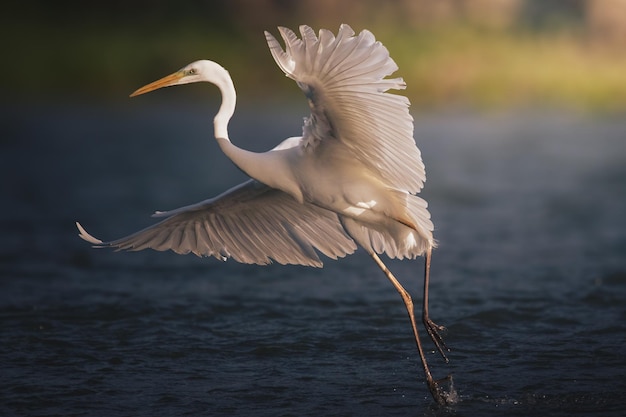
[352, 178]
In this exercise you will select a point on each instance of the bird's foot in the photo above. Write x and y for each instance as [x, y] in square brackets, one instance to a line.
[434, 330]
[440, 395]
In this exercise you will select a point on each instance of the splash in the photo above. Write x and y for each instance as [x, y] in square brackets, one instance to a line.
[451, 396]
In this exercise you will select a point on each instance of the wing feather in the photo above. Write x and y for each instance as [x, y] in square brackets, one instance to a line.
[344, 79]
[251, 223]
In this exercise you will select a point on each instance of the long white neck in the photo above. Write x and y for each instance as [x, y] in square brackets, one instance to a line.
[266, 167]
[227, 108]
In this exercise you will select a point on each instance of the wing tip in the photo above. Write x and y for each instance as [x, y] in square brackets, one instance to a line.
[83, 234]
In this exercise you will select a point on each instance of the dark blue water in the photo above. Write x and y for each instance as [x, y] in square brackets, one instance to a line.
[529, 278]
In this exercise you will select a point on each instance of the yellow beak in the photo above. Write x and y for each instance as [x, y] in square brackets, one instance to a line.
[166, 81]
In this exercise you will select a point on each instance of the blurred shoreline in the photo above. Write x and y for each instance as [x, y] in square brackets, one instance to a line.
[482, 54]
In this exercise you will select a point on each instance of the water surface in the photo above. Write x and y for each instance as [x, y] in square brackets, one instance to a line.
[529, 277]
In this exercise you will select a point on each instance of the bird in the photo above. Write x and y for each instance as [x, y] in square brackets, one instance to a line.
[350, 180]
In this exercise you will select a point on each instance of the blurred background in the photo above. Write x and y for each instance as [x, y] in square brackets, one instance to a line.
[519, 114]
[469, 53]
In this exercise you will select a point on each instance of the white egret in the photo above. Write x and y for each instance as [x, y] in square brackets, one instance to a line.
[351, 178]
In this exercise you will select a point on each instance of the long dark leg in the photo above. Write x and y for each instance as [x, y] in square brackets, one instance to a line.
[432, 328]
[434, 388]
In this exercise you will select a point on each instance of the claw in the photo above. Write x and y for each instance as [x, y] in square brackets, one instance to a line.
[433, 330]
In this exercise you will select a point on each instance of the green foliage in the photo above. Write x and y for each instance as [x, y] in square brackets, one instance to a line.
[500, 69]
[444, 65]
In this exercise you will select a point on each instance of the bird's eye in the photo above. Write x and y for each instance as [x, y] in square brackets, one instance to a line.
[191, 71]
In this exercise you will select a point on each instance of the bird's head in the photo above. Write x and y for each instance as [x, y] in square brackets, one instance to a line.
[203, 70]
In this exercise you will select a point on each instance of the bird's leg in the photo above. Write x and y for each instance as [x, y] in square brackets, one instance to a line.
[435, 390]
[432, 328]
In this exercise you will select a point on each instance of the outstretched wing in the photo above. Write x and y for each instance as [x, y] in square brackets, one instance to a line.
[251, 223]
[344, 80]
